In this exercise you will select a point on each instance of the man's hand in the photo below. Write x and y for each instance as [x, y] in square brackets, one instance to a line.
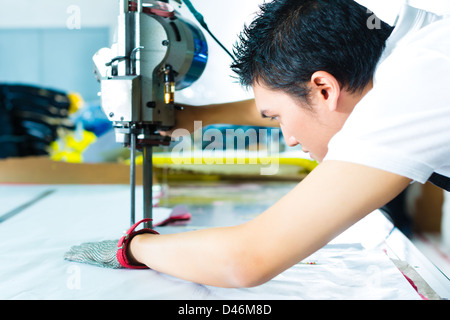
[102, 254]
[185, 118]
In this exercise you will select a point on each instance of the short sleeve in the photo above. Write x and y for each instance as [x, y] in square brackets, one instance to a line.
[403, 124]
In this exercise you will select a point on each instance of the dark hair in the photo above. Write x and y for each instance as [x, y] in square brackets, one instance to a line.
[292, 39]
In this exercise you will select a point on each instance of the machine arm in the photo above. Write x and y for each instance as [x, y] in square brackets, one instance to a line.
[157, 53]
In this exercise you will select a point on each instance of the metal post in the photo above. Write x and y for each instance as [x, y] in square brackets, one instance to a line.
[133, 176]
[148, 184]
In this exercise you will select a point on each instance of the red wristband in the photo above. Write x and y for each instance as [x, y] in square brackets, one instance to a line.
[124, 242]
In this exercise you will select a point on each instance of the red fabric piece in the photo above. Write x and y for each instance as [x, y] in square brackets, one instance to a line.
[414, 286]
[179, 214]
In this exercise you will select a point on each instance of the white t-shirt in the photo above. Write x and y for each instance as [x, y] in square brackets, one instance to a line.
[387, 10]
[403, 124]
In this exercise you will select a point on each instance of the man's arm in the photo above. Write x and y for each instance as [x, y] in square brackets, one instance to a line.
[240, 113]
[329, 200]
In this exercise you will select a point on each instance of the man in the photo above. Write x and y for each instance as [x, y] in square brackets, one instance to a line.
[314, 66]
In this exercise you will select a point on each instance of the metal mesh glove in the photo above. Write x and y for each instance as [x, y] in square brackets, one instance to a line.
[110, 253]
[102, 254]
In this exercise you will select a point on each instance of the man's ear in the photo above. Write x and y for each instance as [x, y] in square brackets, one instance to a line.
[325, 89]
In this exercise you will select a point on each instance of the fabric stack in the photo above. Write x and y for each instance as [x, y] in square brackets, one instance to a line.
[30, 117]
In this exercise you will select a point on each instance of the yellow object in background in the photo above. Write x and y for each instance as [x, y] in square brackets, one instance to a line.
[70, 146]
[76, 102]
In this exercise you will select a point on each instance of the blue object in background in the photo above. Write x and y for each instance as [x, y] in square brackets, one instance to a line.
[93, 119]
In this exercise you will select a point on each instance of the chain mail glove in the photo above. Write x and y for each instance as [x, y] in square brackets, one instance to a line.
[108, 254]
[101, 254]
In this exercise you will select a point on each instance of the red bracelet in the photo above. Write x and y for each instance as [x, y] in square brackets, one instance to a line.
[124, 242]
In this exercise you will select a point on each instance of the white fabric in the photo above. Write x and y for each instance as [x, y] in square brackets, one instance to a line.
[354, 266]
[403, 124]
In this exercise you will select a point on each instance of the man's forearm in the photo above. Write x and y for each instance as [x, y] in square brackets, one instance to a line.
[241, 113]
[209, 256]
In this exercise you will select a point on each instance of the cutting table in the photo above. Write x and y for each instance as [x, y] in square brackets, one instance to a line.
[39, 223]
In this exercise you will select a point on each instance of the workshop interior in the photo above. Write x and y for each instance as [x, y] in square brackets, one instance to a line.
[87, 87]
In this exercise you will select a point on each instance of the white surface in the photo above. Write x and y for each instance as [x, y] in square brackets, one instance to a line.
[35, 240]
[445, 228]
[431, 245]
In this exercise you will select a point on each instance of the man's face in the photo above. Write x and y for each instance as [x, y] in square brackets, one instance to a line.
[310, 126]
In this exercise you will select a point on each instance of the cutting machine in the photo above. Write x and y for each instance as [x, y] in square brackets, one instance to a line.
[157, 52]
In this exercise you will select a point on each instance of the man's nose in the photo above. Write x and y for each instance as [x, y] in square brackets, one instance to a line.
[291, 141]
